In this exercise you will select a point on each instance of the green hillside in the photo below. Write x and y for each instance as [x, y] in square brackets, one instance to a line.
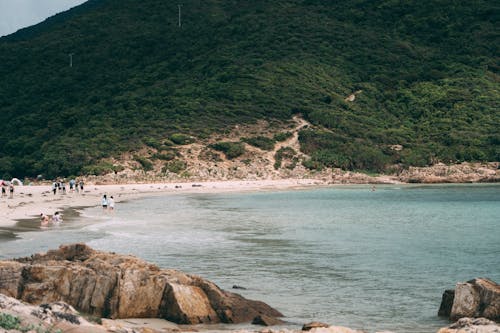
[427, 72]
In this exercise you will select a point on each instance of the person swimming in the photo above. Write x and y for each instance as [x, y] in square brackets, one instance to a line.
[56, 218]
[44, 219]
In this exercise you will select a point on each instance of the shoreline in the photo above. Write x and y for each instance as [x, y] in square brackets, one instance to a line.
[31, 200]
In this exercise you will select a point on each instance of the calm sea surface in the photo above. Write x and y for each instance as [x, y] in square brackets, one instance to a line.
[345, 255]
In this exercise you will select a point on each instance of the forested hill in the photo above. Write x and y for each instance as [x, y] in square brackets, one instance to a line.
[424, 75]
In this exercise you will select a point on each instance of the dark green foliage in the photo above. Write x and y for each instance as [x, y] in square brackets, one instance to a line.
[174, 166]
[330, 150]
[9, 322]
[260, 142]
[101, 168]
[144, 162]
[230, 149]
[154, 143]
[181, 139]
[282, 136]
[426, 74]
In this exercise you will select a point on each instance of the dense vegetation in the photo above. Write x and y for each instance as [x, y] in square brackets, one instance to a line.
[427, 72]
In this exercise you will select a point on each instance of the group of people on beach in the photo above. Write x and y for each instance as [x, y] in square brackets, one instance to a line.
[8, 185]
[108, 203]
[60, 185]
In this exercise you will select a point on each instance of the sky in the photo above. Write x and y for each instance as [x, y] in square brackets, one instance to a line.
[17, 14]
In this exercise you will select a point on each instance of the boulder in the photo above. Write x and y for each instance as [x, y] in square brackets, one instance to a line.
[121, 286]
[264, 320]
[474, 298]
[446, 303]
[472, 325]
[313, 324]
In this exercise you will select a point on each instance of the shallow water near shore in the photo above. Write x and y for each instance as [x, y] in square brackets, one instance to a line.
[350, 256]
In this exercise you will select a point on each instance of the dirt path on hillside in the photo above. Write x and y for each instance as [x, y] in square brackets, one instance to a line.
[292, 142]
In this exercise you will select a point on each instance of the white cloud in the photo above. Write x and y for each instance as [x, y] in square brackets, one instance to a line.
[17, 14]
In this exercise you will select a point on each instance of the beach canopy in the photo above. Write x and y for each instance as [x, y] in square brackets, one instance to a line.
[16, 181]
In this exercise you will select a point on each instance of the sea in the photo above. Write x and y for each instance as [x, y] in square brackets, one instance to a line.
[367, 258]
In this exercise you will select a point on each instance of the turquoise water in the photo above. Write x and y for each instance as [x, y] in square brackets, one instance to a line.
[344, 255]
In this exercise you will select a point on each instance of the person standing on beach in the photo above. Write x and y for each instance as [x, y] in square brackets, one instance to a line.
[104, 202]
[71, 185]
[11, 190]
[111, 203]
[4, 193]
[81, 185]
[54, 187]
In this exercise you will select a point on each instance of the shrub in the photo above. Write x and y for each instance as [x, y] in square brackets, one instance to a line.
[9, 322]
[151, 142]
[174, 166]
[282, 136]
[144, 162]
[181, 139]
[230, 149]
[260, 142]
[168, 143]
[329, 158]
[165, 156]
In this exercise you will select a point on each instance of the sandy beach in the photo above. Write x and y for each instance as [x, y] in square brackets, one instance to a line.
[30, 201]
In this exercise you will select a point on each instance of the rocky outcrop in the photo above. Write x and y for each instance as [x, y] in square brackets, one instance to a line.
[472, 325]
[446, 303]
[46, 317]
[474, 298]
[455, 173]
[120, 286]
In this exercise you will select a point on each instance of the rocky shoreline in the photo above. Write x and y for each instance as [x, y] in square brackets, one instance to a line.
[439, 173]
[40, 294]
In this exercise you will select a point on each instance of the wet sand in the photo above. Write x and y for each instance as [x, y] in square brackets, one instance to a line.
[24, 209]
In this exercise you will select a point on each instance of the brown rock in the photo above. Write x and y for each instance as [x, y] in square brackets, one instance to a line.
[472, 325]
[264, 320]
[181, 301]
[314, 324]
[476, 298]
[10, 275]
[118, 286]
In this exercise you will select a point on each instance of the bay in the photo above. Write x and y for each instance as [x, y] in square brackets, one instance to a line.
[347, 255]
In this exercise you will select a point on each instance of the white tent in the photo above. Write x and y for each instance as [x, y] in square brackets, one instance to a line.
[16, 181]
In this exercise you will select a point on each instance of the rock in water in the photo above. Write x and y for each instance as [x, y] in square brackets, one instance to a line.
[446, 303]
[472, 325]
[264, 320]
[475, 298]
[120, 286]
[314, 324]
